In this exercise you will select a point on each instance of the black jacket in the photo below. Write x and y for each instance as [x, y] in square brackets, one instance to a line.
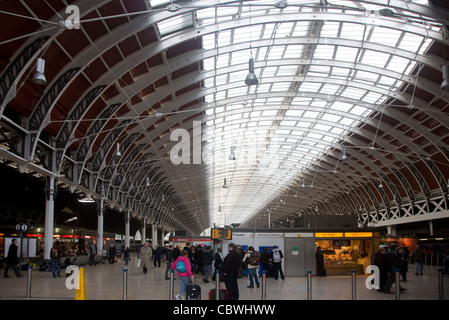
[208, 257]
[218, 264]
[232, 262]
[12, 258]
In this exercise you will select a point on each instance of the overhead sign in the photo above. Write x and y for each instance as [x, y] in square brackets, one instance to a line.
[358, 234]
[328, 234]
[221, 234]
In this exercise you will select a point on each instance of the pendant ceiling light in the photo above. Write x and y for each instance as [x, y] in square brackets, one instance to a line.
[225, 186]
[232, 155]
[39, 76]
[343, 156]
[117, 151]
[251, 78]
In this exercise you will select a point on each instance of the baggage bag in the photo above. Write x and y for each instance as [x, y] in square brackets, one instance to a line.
[223, 294]
[193, 292]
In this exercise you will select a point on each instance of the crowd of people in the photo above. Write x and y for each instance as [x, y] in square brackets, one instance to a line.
[199, 260]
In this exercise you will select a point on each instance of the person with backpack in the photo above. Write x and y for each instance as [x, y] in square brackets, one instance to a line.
[253, 259]
[184, 270]
[276, 257]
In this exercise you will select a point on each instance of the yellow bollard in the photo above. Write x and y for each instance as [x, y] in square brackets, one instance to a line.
[81, 292]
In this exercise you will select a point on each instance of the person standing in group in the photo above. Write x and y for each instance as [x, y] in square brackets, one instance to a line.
[218, 264]
[231, 265]
[168, 260]
[55, 257]
[381, 262]
[198, 257]
[188, 248]
[393, 261]
[319, 257]
[253, 259]
[403, 264]
[208, 258]
[176, 253]
[157, 256]
[145, 257]
[277, 256]
[126, 255]
[112, 253]
[92, 253]
[265, 259]
[185, 274]
[12, 260]
[418, 257]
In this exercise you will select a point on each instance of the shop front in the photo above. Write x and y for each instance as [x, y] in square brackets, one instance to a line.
[346, 251]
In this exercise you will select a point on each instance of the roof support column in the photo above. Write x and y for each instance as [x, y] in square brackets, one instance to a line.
[127, 219]
[100, 225]
[49, 215]
[144, 230]
[154, 235]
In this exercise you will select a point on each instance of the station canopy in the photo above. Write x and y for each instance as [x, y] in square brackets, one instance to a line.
[344, 115]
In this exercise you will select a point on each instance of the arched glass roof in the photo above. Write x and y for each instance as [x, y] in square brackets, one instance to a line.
[348, 95]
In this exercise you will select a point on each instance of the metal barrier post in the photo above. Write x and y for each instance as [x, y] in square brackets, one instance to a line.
[353, 285]
[264, 285]
[309, 285]
[125, 283]
[172, 285]
[397, 283]
[217, 287]
[30, 270]
[440, 284]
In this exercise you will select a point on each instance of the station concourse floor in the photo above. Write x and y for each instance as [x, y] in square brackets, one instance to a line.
[105, 282]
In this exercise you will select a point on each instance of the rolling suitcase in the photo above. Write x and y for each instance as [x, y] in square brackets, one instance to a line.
[223, 294]
[193, 292]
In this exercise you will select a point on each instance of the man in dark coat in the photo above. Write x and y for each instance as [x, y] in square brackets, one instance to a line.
[12, 260]
[393, 261]
[319, 256]
[231, 266]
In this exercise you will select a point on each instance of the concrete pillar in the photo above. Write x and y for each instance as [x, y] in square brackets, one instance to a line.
[100, 226]
[144, 230]
[391, 230]
[49, 215]
[154, 235]
[127, 220]
[431, 227]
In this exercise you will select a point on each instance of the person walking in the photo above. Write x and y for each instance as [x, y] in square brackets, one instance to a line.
[55, 257]
[418, 257]
[185, 274]
[393, 261]
[12, 260]
[381, 262]
[319, 257]
[168, 260]
[277, 256]
[157, 256]
[145, 257]
[231, 265]
[253, 259]
[112, 252]
[92, 253]
[208, 258]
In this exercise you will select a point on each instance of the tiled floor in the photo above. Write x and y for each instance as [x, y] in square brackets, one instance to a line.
[105, 282]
